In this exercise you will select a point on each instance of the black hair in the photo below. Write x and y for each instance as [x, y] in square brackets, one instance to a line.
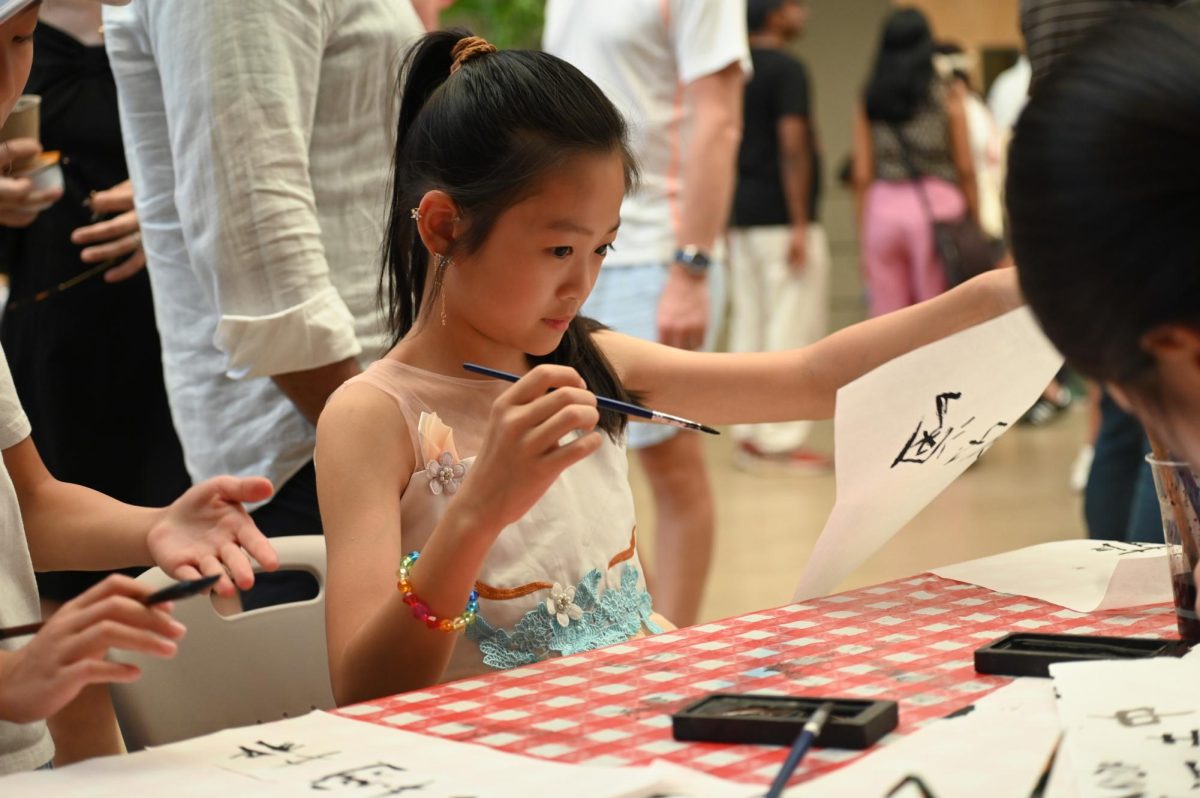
[486, 135]
[1104, 193]
[903, 71]
[757, 12]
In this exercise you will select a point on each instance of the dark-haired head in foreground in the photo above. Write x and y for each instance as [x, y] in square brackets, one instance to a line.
[1104, 201]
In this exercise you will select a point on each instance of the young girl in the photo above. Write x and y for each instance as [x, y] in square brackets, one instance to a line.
[1104, 197]
[510, 169]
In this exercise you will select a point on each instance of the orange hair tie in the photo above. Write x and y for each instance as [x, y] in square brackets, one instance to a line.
[468, 48]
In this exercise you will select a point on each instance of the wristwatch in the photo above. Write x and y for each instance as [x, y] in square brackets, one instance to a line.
[694, 260]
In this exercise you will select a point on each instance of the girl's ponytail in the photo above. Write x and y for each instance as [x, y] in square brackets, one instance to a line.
[406, 263]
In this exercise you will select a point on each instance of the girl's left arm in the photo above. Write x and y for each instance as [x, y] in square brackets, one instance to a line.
[719, 388]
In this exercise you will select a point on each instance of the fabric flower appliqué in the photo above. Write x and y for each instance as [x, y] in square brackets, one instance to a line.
[561, 604]
[445, 475]
[442, 466]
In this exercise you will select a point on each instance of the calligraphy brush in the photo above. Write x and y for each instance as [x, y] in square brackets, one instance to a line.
[804, 741]
[615, 405]
[179, 590]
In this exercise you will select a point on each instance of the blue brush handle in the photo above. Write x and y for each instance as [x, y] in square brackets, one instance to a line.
[602, 401]
[803, 742]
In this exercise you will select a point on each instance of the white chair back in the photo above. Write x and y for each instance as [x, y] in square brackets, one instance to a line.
[235, 670]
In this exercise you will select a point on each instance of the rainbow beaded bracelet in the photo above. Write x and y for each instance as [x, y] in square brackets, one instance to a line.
[421, 610]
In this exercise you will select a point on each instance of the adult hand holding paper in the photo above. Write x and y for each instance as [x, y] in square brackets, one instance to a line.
[905, 431]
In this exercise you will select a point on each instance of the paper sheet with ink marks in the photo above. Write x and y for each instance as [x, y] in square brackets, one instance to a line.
[1131, 728]
[325, 755]
[905, 431]
[1081, 575]
[997, 749]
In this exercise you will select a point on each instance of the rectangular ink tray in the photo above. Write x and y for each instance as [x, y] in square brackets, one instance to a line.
[778, 720]
[1028, 654]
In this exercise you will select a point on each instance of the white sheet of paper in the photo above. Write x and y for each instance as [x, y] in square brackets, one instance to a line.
[1082, 575]
[1131, 727]
[328, 755]
[906, 430]
[676, 781]
[999, 750]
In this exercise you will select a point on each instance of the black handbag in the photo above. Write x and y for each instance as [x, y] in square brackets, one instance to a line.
[964, 249]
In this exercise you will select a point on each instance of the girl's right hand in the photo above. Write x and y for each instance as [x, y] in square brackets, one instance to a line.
[68, 653]
[19, 203]
[521, 456]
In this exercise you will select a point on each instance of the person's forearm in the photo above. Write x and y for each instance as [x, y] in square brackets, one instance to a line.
[71, 527]
[854, 351]
[795, 172]
[708, 177]
[7, 661]
[393, 651]
[310, 389]
[970, 190]
[797, 182]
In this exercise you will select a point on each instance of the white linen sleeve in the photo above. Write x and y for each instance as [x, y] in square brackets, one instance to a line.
[14, 424]
[240, 80]
[707, 36]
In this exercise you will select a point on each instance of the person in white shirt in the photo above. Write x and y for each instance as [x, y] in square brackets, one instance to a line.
[259, 138]
[676, 71]
[1009, 93]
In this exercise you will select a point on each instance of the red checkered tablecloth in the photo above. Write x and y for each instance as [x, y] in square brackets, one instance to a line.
[911, 641]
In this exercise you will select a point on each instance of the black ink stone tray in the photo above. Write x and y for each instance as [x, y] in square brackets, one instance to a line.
[1028, 654]
[778, 720]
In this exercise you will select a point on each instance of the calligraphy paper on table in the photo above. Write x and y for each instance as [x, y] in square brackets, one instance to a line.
[323, 754]
[905, 431]
[1081, 575]
[1131, 727]
[999, 749]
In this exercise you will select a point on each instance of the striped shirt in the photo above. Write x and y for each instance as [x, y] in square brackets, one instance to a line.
[1053, 28]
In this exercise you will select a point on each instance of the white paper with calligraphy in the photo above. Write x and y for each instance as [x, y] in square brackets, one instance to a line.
[1081, 575]
[1131, 727]
[322, 754]
[998, 750]
[906, 430]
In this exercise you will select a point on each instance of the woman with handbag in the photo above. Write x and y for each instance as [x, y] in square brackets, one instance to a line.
[914, 179]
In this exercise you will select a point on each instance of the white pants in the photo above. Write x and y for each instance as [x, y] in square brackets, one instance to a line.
[774, 308]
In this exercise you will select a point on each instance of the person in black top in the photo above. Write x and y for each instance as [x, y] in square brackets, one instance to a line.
[778, 253]
[79, 327]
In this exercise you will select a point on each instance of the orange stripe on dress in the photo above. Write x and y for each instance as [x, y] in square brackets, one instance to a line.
[490, 593]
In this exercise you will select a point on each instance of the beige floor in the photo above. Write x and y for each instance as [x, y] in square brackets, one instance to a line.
[1017, 495]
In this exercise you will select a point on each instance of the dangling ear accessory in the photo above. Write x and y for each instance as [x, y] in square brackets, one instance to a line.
[439, 280]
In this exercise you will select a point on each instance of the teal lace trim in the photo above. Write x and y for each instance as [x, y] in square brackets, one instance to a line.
[608, 618]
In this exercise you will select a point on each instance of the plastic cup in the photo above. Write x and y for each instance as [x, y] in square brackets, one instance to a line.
[24, 122]
[1178, 492]
[46, 173]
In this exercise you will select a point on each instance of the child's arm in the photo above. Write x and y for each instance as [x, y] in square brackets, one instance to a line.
[364, 462]
[68, 653]
[71, 527]
[799, 383]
